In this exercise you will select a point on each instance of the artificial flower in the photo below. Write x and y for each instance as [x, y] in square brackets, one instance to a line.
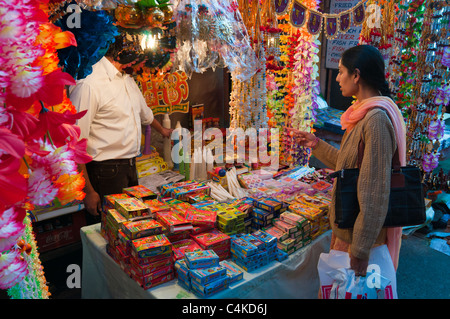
[41, 190]
[60, 126]
[13, 268]
[11, 226]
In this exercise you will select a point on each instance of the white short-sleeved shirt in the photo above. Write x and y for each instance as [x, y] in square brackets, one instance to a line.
[116, 111]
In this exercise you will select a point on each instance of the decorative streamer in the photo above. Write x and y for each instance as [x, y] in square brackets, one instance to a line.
[333, 24]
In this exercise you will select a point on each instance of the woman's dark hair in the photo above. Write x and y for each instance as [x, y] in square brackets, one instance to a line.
[370, 63]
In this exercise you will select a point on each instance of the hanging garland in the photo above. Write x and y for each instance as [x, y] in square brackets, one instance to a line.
[40, 146]
[416, 36]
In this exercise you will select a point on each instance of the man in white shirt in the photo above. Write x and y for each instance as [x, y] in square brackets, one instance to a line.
[116, 109]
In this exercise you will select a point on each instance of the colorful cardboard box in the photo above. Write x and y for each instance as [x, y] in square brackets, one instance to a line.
[203, 276]
[141, 192]
[233, 273]
[141, 228]
[150, 246]
[182, 246]
[131, 208]
[201, 259]
[173, 220]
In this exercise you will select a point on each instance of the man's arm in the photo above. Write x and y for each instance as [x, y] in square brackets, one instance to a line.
[166, 132]
[92, 201]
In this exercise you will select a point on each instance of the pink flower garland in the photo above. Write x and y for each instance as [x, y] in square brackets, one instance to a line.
[46, 141]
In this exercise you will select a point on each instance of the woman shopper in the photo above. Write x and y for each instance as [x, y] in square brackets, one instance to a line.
[377, 120]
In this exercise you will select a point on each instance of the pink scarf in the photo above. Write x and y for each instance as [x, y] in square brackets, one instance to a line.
[351, 117]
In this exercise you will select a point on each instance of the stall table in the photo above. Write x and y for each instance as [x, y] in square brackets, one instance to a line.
[295, 277]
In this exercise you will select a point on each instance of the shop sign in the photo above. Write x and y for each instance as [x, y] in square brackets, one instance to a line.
[167, 95]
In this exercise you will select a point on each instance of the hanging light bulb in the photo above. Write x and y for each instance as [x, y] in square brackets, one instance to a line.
[150, 41]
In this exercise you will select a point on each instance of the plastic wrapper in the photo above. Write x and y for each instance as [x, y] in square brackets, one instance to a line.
[212, 34]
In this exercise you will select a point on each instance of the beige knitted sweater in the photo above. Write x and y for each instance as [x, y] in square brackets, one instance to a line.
[378, 134]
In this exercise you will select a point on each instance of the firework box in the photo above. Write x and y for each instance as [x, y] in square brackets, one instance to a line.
[200, 217]
[115, 220]
[276, 232]
[226, 218]
[269, 204]
[141, 228]
[150, 246]
[233, 273]
[311, 201]
[268, 240]
[203, 276]
[201, 259]
[182, 246]
[288, 228]
[212, 239]
[198, 198]
[281, 255]
[321, 186]
[155, 205]
[109, 201]
[173, 220]
[261, 214]
[131, 208]
[260, 245]
[182, 193]
[147, 284]
[244, 247]
[182, 269]
[210, 288]
[295, 219]
[141, 192]
[148, 260]
[146, 269]
[161, 271]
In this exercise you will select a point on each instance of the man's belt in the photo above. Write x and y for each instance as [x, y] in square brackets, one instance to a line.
[124, 161]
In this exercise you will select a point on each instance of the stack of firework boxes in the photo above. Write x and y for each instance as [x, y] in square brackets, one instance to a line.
[252, 251]
[204, 274]
[136, 241]
[293, 231]
[264, 211]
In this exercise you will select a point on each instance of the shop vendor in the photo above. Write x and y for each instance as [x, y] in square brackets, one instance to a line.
[116, 110]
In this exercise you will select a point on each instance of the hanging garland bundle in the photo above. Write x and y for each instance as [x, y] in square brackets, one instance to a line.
[40, 146]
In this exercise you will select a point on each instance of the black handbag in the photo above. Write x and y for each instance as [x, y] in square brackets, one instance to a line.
[406, 200]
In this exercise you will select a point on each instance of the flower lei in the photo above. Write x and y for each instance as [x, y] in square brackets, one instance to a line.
[298, 85]
[39, 143]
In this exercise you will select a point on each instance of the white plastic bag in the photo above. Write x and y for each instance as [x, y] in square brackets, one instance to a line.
[348, 286]
[380, 273]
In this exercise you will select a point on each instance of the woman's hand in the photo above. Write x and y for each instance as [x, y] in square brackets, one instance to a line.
[307, 139]
[359, 266]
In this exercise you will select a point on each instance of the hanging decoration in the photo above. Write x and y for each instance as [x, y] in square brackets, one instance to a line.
[40, 146]
[333, 24]
[211, 35]
[413, 37]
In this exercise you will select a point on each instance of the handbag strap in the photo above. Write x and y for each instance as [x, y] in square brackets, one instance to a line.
[395, 159]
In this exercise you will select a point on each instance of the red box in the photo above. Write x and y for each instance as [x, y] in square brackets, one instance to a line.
[61, 236]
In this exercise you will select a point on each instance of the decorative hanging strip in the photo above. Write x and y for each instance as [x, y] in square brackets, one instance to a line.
[331, 26]
[333, 23]
[314, 22]
[298, 14]
[281, 6]
[344, 21]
